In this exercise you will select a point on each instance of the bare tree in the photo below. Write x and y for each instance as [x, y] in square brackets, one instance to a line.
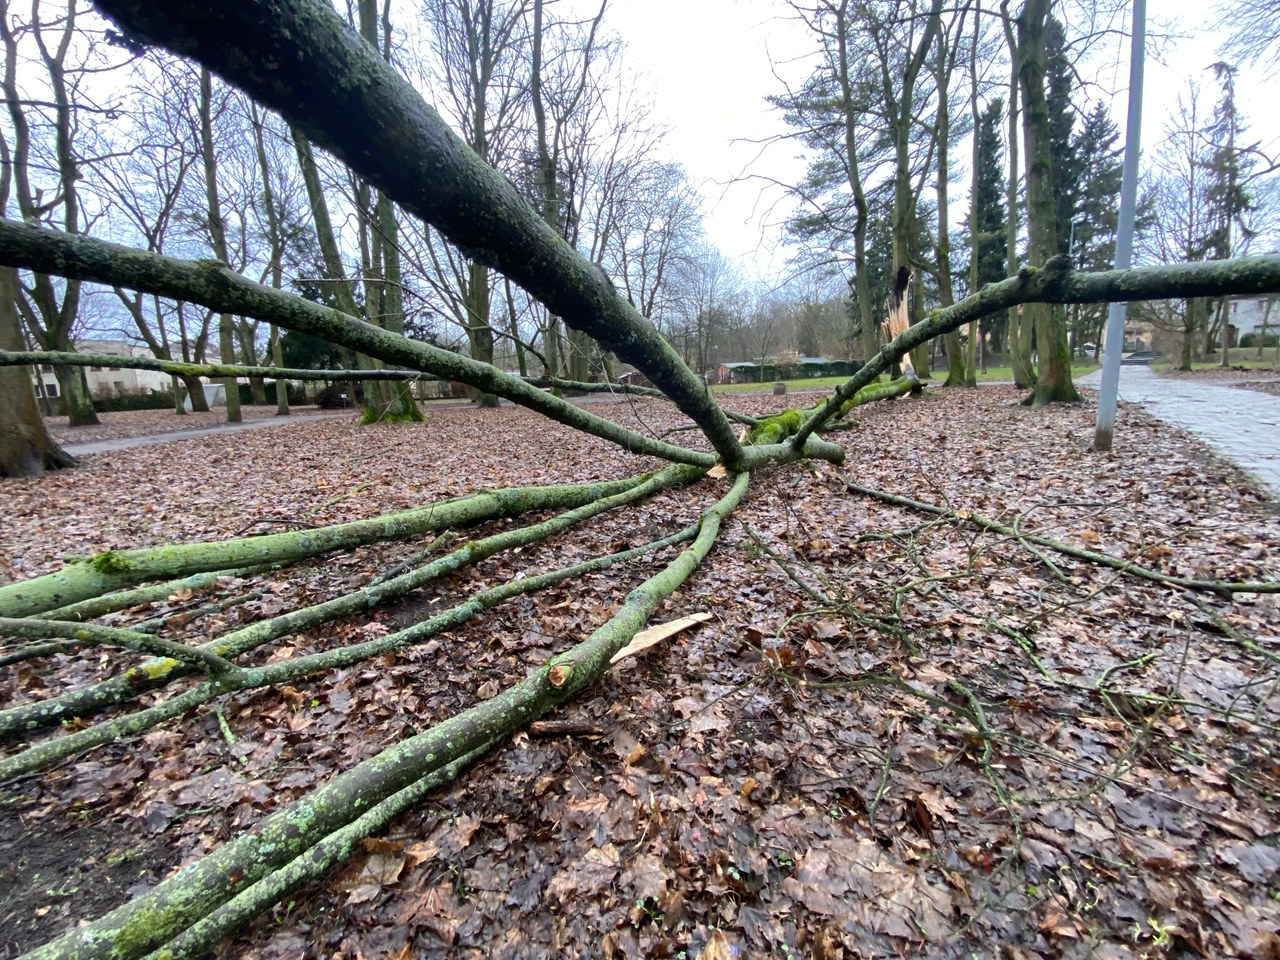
[481, 47]
[48, 157]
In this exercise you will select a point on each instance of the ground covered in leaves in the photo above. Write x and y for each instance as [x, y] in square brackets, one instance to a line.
[148, 423]
[897, 736]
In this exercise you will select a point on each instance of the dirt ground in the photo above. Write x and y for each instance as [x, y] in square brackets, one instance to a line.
[896, 736]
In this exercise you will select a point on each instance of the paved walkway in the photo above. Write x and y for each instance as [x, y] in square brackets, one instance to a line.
[1241, 425]
[124, 443]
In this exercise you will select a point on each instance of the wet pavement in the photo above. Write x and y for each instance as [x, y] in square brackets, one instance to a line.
[1241, 425]
[124, 443]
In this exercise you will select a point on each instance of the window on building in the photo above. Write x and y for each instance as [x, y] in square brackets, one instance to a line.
[113, 368]
[47, 367]
[51, 389]
[99, 369]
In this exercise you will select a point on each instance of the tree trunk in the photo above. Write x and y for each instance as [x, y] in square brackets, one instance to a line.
[218, 239]
[401, 407]
[26, 449]
[1188, 336]
[76, 401]
[1018, 326]
[946, 292]
[868, 329]
[975, 328]
[1053, 376]
[479, 333]
[195, 391]
[282, 385]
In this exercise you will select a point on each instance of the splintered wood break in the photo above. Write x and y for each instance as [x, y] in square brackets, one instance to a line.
[898, 321]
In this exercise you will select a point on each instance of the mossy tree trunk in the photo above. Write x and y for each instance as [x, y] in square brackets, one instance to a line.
[1053, 373]
[26, 449]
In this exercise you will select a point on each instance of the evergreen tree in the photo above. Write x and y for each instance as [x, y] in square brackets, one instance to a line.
[1059, 81]
[1229, 171]
[1097, 211]
[1227, 194]
[991, 214]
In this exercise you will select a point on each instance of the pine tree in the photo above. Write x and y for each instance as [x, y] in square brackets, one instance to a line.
[1059, 81]
[1097, 211]
[991, 214]
[1227, 193]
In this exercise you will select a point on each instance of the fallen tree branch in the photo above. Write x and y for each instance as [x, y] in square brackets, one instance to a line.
[780, 426]
[1056, 282]
[579, 386]
[215, 285]
[303, 61]
[177, 368]
[309, 866]
[115, 569]
[31, 717]
[123, 599]
[178, 903]
[88, 633]
[1220, 587]
[296, 669]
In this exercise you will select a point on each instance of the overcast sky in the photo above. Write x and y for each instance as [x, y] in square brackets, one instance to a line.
[710, 64]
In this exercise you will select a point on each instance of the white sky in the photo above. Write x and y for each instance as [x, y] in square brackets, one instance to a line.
[708, 63]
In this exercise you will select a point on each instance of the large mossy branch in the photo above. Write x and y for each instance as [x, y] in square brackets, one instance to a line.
[214, 285]
[780, 426]
[298, 669]
[178, 903]
[238, 912]
[28, 718]
[114, 570]
[299, 58]
[178, 368]
[1058, 283]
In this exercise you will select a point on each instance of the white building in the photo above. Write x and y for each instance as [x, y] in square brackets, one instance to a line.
[1255, 314]
[109, 381]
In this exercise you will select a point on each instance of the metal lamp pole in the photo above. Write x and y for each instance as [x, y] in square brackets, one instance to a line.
[1117, 313]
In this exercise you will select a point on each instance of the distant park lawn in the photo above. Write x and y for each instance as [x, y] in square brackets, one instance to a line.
[826, 383]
